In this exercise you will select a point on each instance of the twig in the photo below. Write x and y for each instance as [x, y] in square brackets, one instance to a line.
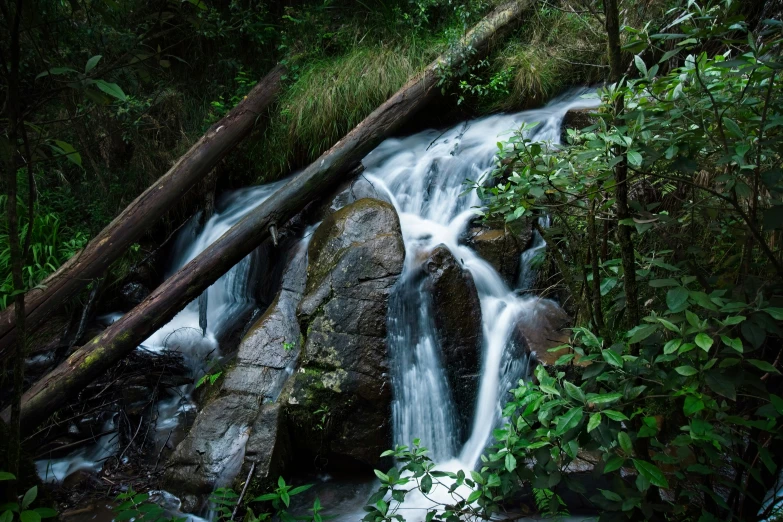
[161, 450]
[244, 488]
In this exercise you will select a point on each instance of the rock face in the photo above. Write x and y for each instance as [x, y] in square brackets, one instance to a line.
[544, 327]
[457, 315]
[576, 119]
[501, 246]
[339, 401]
[244, 425]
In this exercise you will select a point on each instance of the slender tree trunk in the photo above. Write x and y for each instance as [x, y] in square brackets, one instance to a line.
[614, 51]
[598, 315]
[17, 259]
[114, 240]
[326, 172]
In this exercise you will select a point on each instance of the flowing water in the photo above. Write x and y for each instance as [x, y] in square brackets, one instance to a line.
[423, 175]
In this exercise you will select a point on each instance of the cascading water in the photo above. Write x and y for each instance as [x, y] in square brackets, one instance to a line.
[424, 177]
[227, 300]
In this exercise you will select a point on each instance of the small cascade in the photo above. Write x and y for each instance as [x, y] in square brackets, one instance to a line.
[423, 175]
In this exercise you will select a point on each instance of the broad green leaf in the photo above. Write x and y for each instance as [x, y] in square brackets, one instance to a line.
[510, 462]
[776, 313]
[634, 158]
[651, 472]
[615, 415]
[4, 475]
[671, 346]
[720, 385]
[112, 89]
[641, 333]
[56, 70]
[474, 496]
[610, 495]
[612, 358]
[625, 442]
[594, 422]
[686, 370]
[549, 389]
[640, 65]
[29, 516]
[668, 325]
[692, 405]
[381, 475]
[604, 398]
[91, 63]
[569, 420]
[29, 497]
[676, 299]
[615, 462]
[67, 150]
[764, 366]
[573, 391]
[704, 341]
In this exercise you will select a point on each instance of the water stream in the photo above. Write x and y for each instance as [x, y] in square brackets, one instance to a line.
[423, 175]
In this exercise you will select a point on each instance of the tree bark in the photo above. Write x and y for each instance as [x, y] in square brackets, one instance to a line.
[330, 169]
[114, 240]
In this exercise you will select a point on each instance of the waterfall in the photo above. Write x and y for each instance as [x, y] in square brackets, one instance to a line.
[423, 175]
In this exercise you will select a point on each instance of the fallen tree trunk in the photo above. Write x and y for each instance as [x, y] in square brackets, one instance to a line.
[188, 283]
[114, 240]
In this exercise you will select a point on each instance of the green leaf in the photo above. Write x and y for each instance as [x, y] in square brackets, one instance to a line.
[569, 420]
[594, 422]
[549, 389]
[614, 463]
[612, 358]
[776, 313]
[300, 489]
[56, 70]
[66, 149]
[671, 346]
[615, 415]
[6, 516]
[732, 127]
[676, 299]
[381, 475]
[610, 495]
[604, 398]
[474, 496]
[692, 405]
[112, 89]
[764, 366]
[4, 475]
[668, 325]
[29, 497]
[625, 442]
[720, 385]
[640, 65]
[573, 391]
[91, 63]
[641, 333]
[510, 462]
[659, 283]
[686, 370]
[651, 472]
[29, 516]
[704, 341]
[634, 158]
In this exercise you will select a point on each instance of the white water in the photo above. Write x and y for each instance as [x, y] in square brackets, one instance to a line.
[227, 301]
[424, 175]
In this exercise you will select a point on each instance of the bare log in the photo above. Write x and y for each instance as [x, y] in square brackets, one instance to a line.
[332, 168]
[137, 218]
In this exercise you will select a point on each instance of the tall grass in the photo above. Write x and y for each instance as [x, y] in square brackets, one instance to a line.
[330, 97]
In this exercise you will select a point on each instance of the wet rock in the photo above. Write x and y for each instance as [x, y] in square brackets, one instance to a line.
[133, 293]
[356, 189]
[457, 315]
[577, 119]
[244, 425]
[339, 402]
[544, 326]
[501, 246]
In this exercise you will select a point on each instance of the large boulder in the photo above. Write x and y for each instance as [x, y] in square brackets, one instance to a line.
[457, 316]
[501, 246]
[339, 401]
[243, 425]
[577, 119]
